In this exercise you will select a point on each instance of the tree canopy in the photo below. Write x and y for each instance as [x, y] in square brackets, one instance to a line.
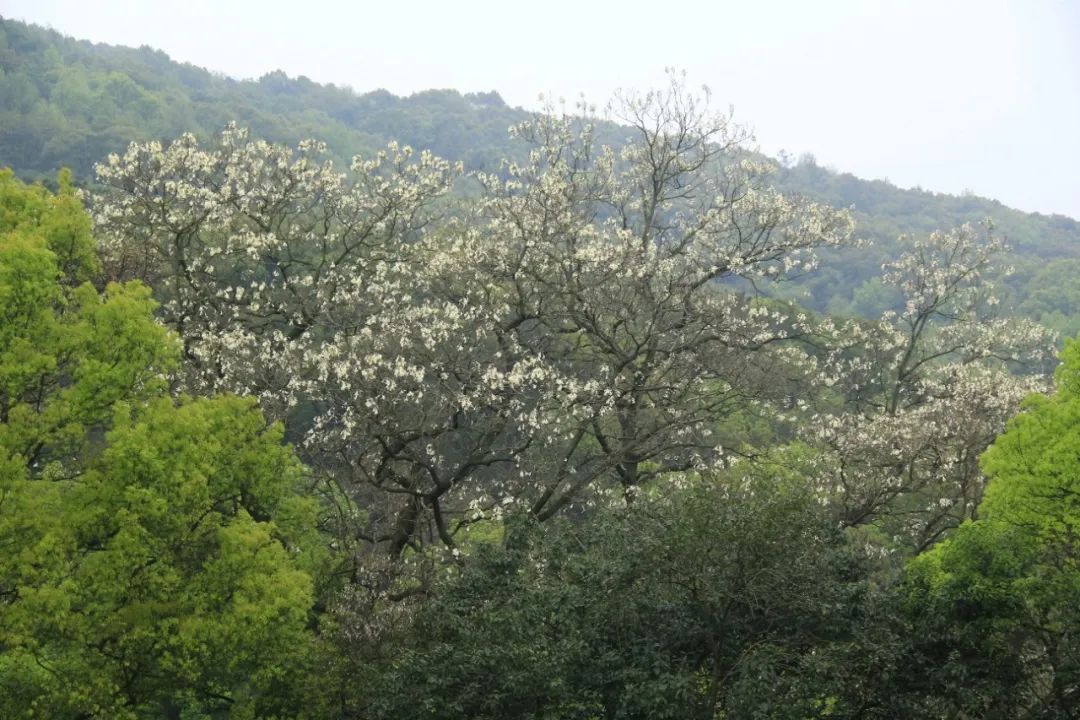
[547, 437]
[1000, 596]
[157, 553]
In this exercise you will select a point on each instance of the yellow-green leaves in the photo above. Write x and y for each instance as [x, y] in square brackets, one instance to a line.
[1035, 464]
[57, 219]
[1000, 596]
[141, 566]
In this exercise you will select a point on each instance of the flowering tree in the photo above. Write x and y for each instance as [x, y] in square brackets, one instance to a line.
[926, 390]
[289, 282]
[575, 328]
[618, 266]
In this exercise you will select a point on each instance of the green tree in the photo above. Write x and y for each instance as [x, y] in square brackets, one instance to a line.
[154, 555]
[1000, 600]
[58, 219]
[733, 597]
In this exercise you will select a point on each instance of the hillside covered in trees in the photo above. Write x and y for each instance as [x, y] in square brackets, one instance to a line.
[69, 103]
[500, 429]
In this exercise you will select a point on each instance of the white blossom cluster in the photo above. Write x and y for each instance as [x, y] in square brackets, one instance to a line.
[571, 333]
[924, 392]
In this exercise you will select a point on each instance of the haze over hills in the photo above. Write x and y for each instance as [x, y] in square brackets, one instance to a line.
[68, 102]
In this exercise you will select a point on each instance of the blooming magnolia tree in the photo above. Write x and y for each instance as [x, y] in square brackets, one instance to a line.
[926, 390]
[574, 329]
[615, 266]
[321, 294]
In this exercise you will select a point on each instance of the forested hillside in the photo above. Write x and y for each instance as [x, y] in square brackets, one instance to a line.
[413, 436]
[69, 103]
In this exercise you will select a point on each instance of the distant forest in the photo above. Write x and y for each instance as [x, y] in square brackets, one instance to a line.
[69, 103]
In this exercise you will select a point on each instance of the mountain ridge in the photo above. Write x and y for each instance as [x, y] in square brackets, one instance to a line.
[279, 82]
[66, 102]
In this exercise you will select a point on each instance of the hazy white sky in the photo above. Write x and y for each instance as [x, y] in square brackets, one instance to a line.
[947, 94]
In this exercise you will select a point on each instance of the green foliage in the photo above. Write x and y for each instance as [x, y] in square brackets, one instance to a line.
[59, 219]
[159, 576]
[1048, 292]
[729, 598]
[884, 212]
[154, 552]
[67, 102]
[1000, 599]
[1035, 462]
[158, 557]
[67, 354]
